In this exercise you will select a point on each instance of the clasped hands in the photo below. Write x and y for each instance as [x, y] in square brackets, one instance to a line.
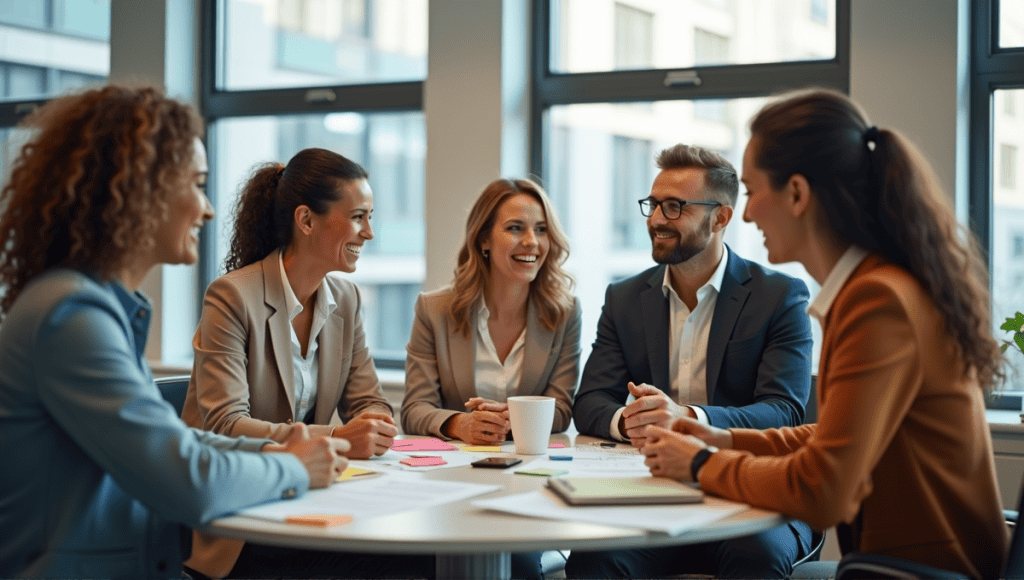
[667, 434]
[485, 423]
[369, 434]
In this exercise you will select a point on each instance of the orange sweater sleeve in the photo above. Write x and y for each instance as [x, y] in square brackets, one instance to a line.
[870, 376]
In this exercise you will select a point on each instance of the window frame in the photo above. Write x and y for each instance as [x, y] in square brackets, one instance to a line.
[218, 104]
[716, 82]
[992, 68]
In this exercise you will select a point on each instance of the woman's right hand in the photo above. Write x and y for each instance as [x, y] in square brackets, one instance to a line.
[322, 457]
[369, 433]
[479, 427]
[720, 438]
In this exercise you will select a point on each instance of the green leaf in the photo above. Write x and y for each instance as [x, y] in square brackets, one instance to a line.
[1003, 347]
[1015, 324]
[1019, 339]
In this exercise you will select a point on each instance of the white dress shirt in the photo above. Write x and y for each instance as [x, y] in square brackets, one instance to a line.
[834, 282]
[687, 345]
[495, 380]
[305, 369]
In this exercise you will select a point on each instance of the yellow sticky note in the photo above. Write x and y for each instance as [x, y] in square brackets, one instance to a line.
[352, 472]
[319, 520]
[483, 448]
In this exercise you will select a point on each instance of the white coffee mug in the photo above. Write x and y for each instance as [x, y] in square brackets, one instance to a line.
[531, 419]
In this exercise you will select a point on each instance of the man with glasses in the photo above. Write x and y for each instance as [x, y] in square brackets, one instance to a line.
[707, 335]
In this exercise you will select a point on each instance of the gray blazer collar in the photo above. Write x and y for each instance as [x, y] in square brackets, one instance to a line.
[280, 325]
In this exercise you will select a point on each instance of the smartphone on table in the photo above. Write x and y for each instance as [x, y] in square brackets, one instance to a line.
[499, 462]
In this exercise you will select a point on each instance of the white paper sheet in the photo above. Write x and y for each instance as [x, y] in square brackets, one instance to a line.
[670, 519]
[389, 494]
[591, 460]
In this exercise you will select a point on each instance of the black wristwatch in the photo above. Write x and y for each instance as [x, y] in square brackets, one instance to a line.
[699, 459]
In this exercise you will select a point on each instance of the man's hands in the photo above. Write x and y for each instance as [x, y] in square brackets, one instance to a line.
[486, 423]
[651, 407]
[322, 457]
[369, 434]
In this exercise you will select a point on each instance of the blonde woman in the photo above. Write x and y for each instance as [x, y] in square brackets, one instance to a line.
[508, 325]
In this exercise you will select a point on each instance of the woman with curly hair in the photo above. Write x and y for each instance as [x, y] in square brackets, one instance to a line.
[901, 457]
[507, 326]
[281, 341]
[98, 467]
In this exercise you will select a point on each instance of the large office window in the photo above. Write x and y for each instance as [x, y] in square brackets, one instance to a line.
[604, 108]
[345, 75]
[996, 203]
[47, 47]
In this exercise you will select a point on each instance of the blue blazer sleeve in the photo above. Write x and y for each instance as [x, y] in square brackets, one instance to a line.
[765, 374]
[89, 382]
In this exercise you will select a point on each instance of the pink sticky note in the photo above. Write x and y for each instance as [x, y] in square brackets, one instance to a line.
[422, 461]
[556, 445]
[432, 444]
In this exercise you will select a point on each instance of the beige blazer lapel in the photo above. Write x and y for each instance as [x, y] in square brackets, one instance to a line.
[462, 353]
[536, 353]
[279, 325]
[329, 380]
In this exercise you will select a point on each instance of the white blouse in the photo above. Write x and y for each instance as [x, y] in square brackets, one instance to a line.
[495, 380]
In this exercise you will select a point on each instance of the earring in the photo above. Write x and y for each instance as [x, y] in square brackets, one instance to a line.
[487, 254]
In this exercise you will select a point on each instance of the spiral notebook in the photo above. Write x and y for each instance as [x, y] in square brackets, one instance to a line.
[623, 490]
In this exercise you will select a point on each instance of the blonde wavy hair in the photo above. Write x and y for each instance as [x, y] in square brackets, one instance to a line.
[88, 189]
[551, 290]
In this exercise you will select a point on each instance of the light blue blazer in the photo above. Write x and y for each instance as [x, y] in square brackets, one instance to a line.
[97, 469]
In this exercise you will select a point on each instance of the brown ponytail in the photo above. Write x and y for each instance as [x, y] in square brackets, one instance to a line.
[877, 191]
[266, 205]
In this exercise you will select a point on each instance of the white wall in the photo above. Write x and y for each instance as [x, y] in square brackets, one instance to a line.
[903, 71]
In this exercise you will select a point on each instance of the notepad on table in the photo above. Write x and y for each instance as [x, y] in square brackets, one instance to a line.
[623, 490]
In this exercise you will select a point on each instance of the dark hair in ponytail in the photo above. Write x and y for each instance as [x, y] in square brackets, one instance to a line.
[877, 191]
[263, 214]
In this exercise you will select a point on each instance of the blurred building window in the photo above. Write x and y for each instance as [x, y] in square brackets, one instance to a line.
[634, 38]
[1007, 166]
[333, 51]
[606, 107]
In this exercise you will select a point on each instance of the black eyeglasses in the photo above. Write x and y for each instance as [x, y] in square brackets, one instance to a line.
[671, 208]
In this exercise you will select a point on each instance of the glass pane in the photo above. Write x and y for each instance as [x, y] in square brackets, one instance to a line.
[50, 46]
[392, 147]
[605, 162]
[1008, 219]
[608, 35]
[1011, 23]
[298, 43]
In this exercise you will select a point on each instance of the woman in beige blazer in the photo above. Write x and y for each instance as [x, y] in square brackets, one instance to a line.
[507, 326]
[509, 270]
[281, 342]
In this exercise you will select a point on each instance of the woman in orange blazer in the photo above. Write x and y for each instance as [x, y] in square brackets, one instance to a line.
[901, 457]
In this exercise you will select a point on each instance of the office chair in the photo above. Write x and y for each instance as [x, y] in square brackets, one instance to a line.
[173, 390]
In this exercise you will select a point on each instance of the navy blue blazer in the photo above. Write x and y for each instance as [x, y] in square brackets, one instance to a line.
[758, 359]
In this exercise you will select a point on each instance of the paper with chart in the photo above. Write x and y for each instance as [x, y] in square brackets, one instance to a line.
[670, 519]
[593, 460]
[390, 494]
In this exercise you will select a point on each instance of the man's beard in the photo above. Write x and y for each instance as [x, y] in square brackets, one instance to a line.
[685, 248]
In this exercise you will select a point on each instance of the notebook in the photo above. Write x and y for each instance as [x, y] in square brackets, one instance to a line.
[623, 490]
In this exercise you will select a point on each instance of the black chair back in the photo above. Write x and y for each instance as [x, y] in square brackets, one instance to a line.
[173, 390]
[1014, 566]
